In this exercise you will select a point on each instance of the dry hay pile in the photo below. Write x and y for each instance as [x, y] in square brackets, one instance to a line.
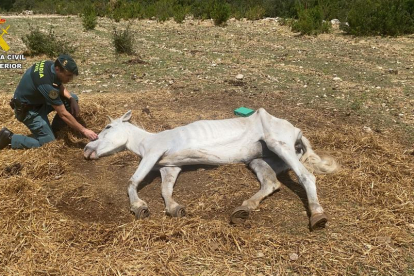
[62, 215]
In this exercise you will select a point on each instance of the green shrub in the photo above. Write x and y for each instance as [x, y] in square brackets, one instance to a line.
[255, 13]
[136, 10]
[310, 22]
[286, 21]
[220, 12]
[68, 7]
[102, 9]
[201, 9]
[280, 8]
[381, 17]
[119, 11]
[21, 5]
[89, 18]
[6, 5]
[123, 41]
[117, 15]
[45, 7]
[245, 8]
[335, 9]
[163, 9]
[126, 10]
[180, 13]
[40, 43]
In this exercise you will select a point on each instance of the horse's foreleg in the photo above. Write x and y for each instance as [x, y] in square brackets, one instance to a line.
[307, 180]
[169, 176]
[268, 184]
[138, 206]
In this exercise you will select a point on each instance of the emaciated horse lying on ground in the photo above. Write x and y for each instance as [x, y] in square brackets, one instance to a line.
[267, 144]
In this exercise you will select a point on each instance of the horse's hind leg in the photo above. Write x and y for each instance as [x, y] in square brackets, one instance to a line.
[268, 184]
[169, 176]
[318, 219]
[280, 138]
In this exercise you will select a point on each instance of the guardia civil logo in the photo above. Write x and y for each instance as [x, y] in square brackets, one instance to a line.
[7, 57]
[3, 43]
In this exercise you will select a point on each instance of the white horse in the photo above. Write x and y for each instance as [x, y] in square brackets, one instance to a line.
[267, 144]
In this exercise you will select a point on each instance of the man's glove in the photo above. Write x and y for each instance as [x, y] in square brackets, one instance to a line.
[74, 107]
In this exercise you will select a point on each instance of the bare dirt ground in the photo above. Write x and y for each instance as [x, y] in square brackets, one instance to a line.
[63, 215]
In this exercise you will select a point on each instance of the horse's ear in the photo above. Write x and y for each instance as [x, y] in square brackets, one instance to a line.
[110, 119]
[127, 116]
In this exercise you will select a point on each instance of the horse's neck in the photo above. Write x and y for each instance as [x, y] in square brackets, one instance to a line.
[136, 135]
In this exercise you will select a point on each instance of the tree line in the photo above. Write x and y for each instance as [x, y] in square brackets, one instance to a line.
[360, 17]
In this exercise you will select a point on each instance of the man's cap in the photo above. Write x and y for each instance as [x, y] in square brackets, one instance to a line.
[68, 63]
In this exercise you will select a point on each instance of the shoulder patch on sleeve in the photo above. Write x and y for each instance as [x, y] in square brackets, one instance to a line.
[53, 94]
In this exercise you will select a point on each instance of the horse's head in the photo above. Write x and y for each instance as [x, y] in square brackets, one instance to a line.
[112, 139]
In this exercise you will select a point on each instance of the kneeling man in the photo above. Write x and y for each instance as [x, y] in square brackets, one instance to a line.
[40, 91]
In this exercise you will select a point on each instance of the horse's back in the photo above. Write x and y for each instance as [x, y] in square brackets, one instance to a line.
[212, 142]
[210, 132]
[219, 141]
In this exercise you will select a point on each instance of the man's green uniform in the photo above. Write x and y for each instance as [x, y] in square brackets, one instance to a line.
[37, 91]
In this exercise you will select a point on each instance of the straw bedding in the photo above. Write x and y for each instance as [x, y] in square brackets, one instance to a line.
[63, 215]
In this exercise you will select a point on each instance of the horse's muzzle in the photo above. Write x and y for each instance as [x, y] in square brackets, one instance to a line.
[89, 153]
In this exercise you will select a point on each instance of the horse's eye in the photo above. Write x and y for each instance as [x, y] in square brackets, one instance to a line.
[108, 127]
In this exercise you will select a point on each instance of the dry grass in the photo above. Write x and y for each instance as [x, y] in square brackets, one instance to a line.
[61, 216]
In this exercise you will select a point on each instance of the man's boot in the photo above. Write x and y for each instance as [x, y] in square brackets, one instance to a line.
[5, 137]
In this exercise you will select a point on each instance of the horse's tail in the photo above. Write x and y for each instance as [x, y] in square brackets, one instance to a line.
[315, 163]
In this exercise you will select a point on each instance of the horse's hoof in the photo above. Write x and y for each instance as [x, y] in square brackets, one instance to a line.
[318, 221]
[239, 215]
[141, 212]
[178, 212]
